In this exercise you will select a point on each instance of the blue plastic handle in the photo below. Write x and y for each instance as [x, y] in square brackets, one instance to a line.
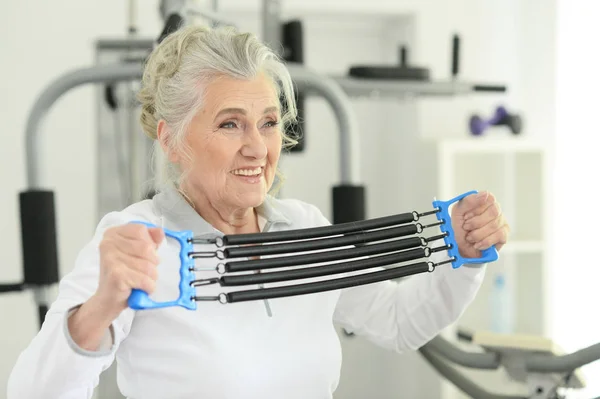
[140, 299]
[487, 255]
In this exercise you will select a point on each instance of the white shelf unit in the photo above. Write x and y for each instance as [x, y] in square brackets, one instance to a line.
[516, 170]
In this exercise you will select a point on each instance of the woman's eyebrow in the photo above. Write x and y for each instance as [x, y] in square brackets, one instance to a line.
[243, 111]
[231, 111]
[270, 109]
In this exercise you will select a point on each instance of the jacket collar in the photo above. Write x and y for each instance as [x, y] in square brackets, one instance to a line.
[177, 213]
[269, 211]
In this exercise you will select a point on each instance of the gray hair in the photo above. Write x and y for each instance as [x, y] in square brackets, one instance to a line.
[179, 69]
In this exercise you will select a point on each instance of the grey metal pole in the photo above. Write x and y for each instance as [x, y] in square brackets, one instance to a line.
[304, 78]
[312, 82]
[168, 7]
[536, 363]
[271, 19]
[483, 361]
[34, 147]
[459, 380]
[33, 139]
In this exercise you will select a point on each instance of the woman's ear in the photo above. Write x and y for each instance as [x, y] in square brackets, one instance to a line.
[162, 135]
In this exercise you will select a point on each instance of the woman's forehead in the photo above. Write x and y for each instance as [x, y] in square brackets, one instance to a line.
[225, 88]
[241, 96]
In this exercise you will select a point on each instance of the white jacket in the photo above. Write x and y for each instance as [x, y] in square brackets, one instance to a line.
[233, 350]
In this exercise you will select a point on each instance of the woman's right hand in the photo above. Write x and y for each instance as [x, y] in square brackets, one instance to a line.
[128, 260]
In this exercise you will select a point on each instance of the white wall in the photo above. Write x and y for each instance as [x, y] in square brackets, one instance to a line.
[576, 270]
[47, 43]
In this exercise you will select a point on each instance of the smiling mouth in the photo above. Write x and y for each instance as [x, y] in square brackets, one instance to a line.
[249, 172]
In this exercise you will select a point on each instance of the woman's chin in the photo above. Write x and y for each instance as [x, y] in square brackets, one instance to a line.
[252, 199]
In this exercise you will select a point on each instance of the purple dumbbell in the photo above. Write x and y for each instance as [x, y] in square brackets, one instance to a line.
[501, 117]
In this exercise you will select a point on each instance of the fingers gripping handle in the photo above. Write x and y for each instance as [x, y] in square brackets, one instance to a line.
[139, 299]
[487, 255]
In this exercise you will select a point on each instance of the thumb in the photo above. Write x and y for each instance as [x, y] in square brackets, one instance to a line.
[157, 234]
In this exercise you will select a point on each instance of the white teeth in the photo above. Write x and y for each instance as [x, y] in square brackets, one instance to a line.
[248, 172]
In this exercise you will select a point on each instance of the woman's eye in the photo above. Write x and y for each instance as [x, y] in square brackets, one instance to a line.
[271, 123]
[228, 125]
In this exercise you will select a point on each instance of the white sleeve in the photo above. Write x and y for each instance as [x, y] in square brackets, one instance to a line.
[405, 315]
[53, 366]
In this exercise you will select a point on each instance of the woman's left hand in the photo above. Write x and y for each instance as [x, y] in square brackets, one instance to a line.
[478, 223]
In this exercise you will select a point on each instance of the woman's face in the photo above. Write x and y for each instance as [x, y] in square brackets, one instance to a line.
[235, 142]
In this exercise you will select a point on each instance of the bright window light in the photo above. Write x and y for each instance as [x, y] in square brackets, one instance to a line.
[575, 271]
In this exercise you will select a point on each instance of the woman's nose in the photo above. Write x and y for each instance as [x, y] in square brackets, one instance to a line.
[254, 144]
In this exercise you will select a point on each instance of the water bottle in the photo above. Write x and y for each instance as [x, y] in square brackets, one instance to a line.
[501, 306]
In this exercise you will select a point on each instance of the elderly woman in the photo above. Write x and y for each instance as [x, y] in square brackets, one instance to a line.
[211, 100]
